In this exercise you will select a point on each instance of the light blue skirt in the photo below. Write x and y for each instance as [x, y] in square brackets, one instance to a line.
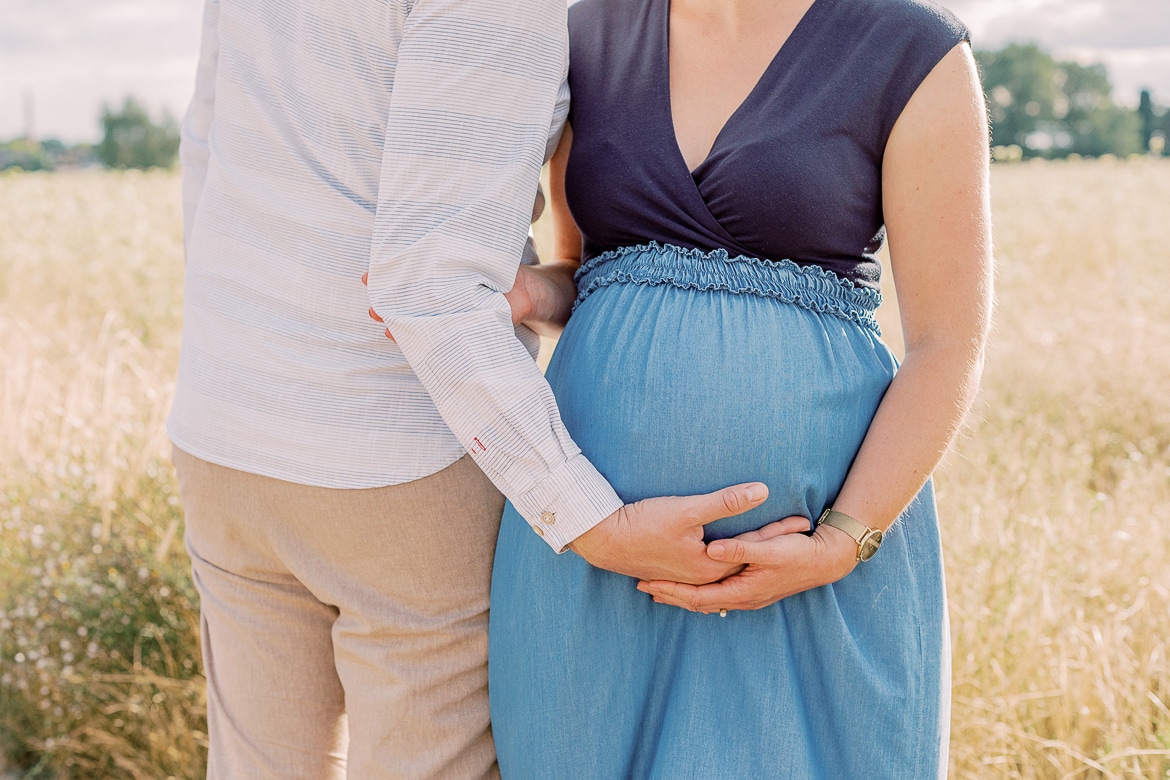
[682, 372]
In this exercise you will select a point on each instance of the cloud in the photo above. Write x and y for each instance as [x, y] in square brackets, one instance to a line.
[73, 55]
[1131, 37]
[1130, 70]
[1111, 24]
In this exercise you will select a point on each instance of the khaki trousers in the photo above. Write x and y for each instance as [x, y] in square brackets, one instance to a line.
[344, 631]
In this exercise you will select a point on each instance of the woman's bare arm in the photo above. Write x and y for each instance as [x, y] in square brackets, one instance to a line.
[938, 218]
[937, 208]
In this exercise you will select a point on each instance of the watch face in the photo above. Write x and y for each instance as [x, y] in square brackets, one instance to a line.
[869, 545]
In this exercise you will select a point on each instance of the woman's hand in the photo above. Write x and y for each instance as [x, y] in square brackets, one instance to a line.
[541, 297]
[522, 297]
[779, 560]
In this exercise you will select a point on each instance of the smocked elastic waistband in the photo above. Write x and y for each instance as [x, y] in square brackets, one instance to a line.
[808, 286]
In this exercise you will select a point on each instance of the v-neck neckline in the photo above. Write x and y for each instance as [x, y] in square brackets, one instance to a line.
[781, 52]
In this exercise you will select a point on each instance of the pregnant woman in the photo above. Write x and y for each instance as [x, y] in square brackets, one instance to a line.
[731, 170]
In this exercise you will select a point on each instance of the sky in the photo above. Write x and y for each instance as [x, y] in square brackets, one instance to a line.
[70, 56]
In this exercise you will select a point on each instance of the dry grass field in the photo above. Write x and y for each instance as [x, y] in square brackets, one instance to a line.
[1056, 502]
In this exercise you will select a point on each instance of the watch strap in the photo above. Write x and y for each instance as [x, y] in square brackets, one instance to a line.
[844, 522]
[868, 539]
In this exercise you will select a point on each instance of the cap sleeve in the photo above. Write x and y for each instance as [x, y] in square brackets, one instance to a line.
[923, 33]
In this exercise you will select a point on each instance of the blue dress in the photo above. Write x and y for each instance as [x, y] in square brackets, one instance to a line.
[724, 333]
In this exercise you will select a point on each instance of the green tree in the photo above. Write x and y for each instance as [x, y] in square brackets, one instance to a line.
[24, 155]
[1095, 125]
[54, 147]
[131, 139]
[1155, 124]
[1020, 82]
[1053, 108]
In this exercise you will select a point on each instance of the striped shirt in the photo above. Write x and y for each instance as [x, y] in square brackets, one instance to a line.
[400, 137]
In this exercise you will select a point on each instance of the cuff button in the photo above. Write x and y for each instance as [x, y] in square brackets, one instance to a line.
[538, 529]
[548, 518]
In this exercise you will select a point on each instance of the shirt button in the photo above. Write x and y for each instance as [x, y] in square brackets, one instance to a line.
[548, 518]
[538, 529]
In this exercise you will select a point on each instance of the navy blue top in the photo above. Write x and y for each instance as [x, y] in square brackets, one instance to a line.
[796, 171]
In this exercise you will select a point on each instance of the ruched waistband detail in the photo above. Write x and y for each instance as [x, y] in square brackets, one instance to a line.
[807, 286]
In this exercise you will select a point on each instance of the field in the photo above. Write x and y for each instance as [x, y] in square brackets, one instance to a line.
[1055, 503]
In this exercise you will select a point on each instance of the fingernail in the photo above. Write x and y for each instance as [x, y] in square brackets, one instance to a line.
[366, 278]
[389, 335]
[755, 492]
[716, 550]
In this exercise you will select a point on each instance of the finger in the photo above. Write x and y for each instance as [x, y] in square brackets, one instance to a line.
[731, 593]
[675, 594]
[366, 278]
[374, 315]
[789, 525]
[736, 550]
[729, 501]
[669, 603]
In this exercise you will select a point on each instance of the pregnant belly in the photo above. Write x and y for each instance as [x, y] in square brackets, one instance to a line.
[672, 391]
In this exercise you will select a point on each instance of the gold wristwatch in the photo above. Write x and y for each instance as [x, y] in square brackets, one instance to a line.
[868, 539]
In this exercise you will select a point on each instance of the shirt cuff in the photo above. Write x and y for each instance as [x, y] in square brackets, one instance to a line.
[570, 501]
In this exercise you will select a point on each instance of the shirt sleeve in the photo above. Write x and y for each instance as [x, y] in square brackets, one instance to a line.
[196, 127]
[478, 85]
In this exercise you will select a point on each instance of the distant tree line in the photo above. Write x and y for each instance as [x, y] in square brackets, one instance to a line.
[1043, 107]
[131, 138]
[1040, 107]
[26, 155]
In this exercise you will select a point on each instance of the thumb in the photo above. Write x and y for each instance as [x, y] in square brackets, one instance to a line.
[793, 524]
[737, 551]
[729, 501]
[752, 546]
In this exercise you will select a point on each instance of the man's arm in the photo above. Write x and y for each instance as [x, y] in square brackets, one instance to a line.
[474, 95]
[193, 149]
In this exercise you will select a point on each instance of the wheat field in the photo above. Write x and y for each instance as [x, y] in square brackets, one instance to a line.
[1055, 502]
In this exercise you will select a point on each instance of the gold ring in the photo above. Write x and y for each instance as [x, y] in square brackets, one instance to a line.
[723, 613]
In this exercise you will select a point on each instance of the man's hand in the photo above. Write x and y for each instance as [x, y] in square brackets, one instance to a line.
[778, 559]
[662, 538]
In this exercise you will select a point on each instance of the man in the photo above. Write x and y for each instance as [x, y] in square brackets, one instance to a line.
[340, 534]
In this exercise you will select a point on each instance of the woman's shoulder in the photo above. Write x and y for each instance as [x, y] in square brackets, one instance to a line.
[605, 33]
[616, 20]
[589, 14]
[895, 44]
[911, 19]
